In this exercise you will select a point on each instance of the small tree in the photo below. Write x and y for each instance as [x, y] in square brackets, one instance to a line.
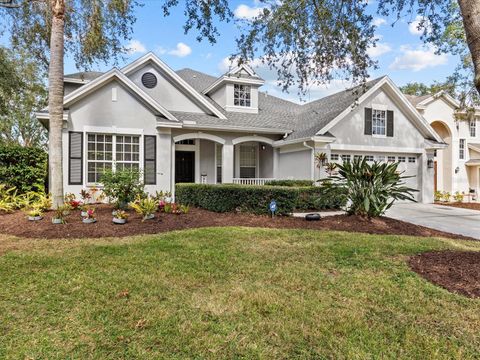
[369, 189]
[122, 186]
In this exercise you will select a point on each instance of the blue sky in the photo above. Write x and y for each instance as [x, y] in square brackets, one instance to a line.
[400, 52]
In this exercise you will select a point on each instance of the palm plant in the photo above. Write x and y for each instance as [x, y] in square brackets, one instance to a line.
[370, 189]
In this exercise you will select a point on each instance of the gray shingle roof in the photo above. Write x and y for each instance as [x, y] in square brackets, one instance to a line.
[303, 120]
[415, 100]
[84, 75]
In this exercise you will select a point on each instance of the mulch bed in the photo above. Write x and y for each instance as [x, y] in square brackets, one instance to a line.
[456, 271]
[463, 205]
[17, 224]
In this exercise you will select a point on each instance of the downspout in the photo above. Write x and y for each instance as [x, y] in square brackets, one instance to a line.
[312, 160]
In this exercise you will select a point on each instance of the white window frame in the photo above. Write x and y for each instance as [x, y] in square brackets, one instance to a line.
[334, 157]
[402, 159]
[473, 128]
[461, 149]
[114, 153]
[379, 122]
[244, 95]
[346, 158]
[391, 158]
[412, 159]
[369, 158]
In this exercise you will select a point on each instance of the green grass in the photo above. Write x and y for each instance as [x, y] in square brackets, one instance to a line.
[231, 293]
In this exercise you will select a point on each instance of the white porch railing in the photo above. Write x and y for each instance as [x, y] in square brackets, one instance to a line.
[251, 181]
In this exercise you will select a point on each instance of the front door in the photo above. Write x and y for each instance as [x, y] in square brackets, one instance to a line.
[184, 166]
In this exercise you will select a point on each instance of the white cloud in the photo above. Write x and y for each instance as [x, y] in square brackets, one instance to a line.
[418, 59]
[379, 22]
[135, 47]
[181, 50]
[379, 50]
[246, 12]
[413, 26]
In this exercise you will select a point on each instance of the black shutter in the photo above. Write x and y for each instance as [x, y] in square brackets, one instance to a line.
[368, 121]
[390, 123]
[75, 158]
[150, 163]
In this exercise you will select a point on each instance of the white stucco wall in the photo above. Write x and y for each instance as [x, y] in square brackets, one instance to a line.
[166, 93]
[295, 164]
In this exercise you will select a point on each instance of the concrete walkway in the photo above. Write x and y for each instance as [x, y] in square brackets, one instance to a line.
[444, 218]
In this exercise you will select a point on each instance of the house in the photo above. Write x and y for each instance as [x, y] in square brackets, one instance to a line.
[456, 167]
[187, 126]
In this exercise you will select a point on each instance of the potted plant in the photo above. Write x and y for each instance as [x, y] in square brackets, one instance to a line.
[145, 208]
[60, 214]
[120, 217]
[90, 218]
[168, 197]
[85, 195]
[83, 210]
[35, 214]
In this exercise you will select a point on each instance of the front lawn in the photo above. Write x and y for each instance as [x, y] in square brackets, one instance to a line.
[230, 293]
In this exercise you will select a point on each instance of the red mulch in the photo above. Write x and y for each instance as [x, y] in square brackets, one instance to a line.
[17, 224]
[463, 205]
[456, 271]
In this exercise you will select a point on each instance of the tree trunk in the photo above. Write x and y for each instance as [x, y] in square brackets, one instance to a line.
[55, 102]
[470, 10]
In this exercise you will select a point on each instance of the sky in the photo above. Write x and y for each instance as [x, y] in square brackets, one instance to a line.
[400, 52]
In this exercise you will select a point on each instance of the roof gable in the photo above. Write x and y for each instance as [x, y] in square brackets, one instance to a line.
[174, 77]
[119, 76]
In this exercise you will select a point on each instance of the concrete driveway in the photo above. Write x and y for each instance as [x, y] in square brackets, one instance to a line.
[444, 218]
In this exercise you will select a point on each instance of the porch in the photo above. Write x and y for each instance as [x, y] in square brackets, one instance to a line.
[208, 159]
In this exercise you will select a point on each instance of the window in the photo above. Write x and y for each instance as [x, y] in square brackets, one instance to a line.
[100, 154]
[248, 161]
[473, 128]
[381, 158]
[241, 95]
[219, 149]
[379, 122]
[334, 157]
[391, 159]
[461, 149]
[346, 158]
[128, 152]
[186, 142]
[412, 159]
[401, 159]
[357, 157]
[369, 157]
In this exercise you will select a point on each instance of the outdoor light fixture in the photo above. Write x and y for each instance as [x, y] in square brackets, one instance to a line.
[430, 163]
[263, 147]
[457, 170]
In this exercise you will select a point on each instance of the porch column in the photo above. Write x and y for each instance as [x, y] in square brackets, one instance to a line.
[426, 178]
[227, 164]
[164, 159]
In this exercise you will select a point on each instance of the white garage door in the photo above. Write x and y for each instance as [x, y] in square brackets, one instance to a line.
[409, 164]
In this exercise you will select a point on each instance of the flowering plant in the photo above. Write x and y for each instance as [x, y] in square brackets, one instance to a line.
[90, 213]
[85, 195]
[121, 214]
[74, 204]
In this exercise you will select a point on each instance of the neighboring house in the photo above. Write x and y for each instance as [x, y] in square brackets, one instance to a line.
[457, 167]
[187, 126]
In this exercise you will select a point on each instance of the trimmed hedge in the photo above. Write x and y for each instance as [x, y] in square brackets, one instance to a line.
[23, 167]
[290, 183]
[253, 199]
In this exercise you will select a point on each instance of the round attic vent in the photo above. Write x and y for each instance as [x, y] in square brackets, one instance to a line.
[149, 80]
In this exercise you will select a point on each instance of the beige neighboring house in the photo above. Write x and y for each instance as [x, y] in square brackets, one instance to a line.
[188, 126]
[457, 167]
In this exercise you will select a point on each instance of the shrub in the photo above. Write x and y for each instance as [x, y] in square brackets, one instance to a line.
[144, 207]
[24, 168]
[446, 196]
[458, 197]
[291, 183]
[255, 199]
[437, 195]
[370, 189]
[122, 186]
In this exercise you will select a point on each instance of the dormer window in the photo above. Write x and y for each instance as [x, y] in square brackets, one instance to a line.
[242, 95]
